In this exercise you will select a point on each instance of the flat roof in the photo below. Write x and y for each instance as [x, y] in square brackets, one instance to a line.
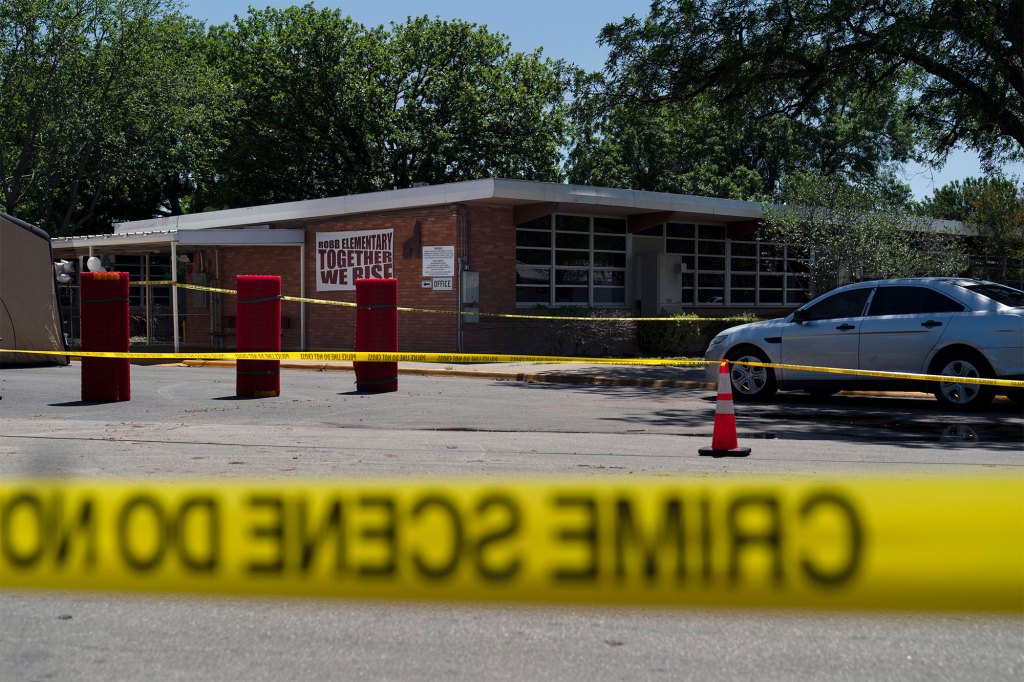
[563, 198]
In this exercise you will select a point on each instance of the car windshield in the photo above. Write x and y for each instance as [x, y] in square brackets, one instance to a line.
[999, 293]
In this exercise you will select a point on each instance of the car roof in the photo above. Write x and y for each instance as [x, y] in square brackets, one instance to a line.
[956, 281]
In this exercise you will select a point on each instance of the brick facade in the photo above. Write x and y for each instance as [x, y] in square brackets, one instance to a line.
[484, 235]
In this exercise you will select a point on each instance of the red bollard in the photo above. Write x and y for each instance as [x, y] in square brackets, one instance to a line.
[376, 330]
[105, 327]
[258, 329]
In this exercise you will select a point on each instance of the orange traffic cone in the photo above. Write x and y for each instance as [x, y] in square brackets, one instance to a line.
[723, 440]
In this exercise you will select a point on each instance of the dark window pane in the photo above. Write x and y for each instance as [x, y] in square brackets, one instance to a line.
[681, 230]
[679, 246]
[541, 239]
[616, 278]
[999, 293]
[706, 280]
[533, 295]
[771, 281]
[711, 263]
[609, 260]
[570, 294]
[771, 251]
[744, 264]
[609, 295]
[844, 304]
[533, 256]
[744, 281]
[610, 225]
[795, 296]
[742, 295]
[572, 223]
[748, 249]
[714, 248]
[771, 296]
[577, 258]
[710, 296]
[656, 231]
[572, 241]
[710, 232]
[906, 300]
[772, 265]
[572, 276]
[606, 243]
[530, 275]
[542, 223]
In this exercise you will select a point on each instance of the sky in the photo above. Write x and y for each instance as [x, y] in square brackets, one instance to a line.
[563, 29]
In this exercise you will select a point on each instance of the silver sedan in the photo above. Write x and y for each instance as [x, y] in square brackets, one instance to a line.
[934, 325]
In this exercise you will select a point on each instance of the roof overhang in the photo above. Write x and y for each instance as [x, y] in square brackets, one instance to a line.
[520, 194]
[161, 240]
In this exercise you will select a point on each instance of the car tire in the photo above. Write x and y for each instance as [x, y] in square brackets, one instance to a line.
[750, 384]
[958, 396]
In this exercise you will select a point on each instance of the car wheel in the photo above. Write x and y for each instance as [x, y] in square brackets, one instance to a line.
[963, 396]
[750, 383]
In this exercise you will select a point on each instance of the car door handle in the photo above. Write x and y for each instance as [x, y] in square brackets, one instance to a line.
[845, 327]
[931, 323]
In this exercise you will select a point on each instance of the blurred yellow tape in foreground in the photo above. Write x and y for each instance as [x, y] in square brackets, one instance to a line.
[934, 544]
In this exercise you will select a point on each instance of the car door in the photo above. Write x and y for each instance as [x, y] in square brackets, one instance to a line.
[828, 336]
[904, 323]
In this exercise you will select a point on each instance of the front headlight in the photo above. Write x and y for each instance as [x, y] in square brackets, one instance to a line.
[718, 340]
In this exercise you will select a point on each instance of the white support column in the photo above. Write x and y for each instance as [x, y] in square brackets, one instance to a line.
[174, 293]
[302, 294]
[149, 306]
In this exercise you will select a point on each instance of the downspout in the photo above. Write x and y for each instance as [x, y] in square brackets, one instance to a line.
[464, 220]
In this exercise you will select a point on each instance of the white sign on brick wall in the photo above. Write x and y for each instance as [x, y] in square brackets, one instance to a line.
[438, 261]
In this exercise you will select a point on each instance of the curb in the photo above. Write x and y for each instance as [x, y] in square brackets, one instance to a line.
[529, 377]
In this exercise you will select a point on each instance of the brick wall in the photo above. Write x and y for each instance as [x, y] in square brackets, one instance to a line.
[492, 253]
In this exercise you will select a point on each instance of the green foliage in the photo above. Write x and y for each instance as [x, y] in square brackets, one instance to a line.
[596, 336]
[855, 232]
[994, 207]
[104, 104]
[328, 107]
[854, 85]
[663, 339]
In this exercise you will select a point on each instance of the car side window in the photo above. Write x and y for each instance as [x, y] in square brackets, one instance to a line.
[845, 304]
[910, 300]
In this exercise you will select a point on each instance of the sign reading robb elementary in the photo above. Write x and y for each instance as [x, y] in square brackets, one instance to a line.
[344, 257]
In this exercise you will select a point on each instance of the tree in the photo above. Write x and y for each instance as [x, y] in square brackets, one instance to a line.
[946, 72]
[101, 104]
[852, 233]
[994, 207]
[309, 107]
[328, 107]
[461, 105]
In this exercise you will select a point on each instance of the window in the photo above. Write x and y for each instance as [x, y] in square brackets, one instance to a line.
[1000, 294]
[905, 300]
[844, 304]
[571, 260]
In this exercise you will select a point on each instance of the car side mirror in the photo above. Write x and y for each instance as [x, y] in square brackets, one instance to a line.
[800, 316]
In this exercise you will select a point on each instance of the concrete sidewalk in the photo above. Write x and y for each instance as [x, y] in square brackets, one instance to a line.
[657, 376]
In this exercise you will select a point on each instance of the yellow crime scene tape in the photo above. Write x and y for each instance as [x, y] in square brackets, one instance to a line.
[463, 358]
[348, 304]
[885, 544]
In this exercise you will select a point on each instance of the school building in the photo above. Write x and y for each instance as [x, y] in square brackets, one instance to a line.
[482, 248]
